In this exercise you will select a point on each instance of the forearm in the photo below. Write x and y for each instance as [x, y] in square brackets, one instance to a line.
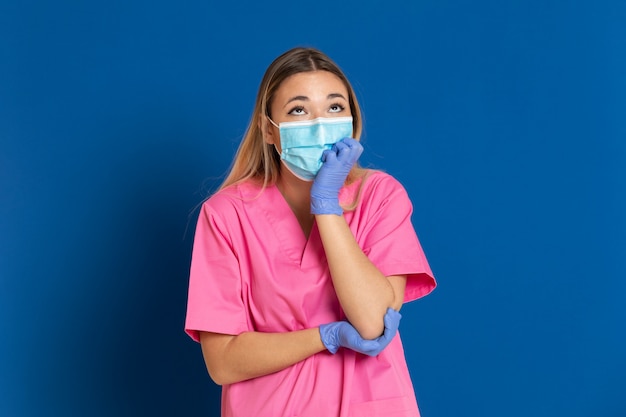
[231, 359]
[363, 291]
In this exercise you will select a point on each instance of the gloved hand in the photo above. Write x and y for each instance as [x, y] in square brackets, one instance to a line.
[343, 334]
[338, 162]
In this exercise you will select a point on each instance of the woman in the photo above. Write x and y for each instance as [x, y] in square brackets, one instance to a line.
[302, 260]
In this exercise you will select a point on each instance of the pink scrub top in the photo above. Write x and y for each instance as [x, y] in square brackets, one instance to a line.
[252, 269]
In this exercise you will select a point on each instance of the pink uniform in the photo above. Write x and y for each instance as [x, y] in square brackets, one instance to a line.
[253, 270]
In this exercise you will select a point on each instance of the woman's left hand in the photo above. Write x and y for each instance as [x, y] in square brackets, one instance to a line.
[338, 162]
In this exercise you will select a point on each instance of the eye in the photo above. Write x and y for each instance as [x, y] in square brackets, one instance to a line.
[297, 111]
[336, 108]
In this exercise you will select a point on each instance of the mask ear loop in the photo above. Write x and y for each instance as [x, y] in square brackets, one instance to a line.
[274, 123]
[271, 121]
[279, 154]
[275, 148]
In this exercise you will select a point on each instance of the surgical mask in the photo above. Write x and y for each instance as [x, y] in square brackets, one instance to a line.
[303, 142]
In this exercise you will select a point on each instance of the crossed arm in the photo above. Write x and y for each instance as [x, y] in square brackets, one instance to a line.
[364, 296]
[364, 293]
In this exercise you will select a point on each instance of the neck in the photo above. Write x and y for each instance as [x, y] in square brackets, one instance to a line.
[297, 194]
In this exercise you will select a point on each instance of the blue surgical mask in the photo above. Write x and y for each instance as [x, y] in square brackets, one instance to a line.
[303, 142]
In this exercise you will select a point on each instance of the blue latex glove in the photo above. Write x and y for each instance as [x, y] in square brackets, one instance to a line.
[343, 334]
[337, 163]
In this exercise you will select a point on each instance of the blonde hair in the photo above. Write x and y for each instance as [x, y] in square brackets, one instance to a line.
[257, 160]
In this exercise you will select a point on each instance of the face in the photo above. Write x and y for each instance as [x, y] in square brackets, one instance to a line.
[307, 96]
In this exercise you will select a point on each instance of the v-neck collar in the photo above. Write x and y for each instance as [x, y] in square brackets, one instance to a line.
[284, 223]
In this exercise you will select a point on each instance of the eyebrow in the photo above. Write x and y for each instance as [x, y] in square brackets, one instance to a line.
[297, 98]
[335, 95]
[305, 98]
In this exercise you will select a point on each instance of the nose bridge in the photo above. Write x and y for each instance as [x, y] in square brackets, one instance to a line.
[322, 130]
[318, 105]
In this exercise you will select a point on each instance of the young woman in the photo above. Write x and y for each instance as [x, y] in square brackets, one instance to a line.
[302, 260]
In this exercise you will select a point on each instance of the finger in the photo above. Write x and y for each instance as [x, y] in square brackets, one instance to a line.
[340, 146]
[371, 347]
[326, 153]
[329, 156]
[345, 152]
[384, 340]
[392, 319]
[351, 142]
[350, 150]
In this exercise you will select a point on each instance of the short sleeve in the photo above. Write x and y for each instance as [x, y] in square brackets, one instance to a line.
[390, 240]
[215, 301]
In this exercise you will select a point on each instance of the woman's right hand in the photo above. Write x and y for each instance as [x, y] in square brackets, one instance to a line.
[343, 334]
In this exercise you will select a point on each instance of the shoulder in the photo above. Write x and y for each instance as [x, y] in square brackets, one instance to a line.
[381, 185]
[229, 202]
[232, 196]
[381, 178]
[380, 192]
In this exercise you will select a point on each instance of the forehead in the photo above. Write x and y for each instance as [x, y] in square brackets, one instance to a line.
[311, 82]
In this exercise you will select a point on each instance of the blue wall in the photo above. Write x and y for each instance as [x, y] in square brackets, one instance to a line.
[504, 120]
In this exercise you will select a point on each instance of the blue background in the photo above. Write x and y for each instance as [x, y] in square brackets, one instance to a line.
[504, 120]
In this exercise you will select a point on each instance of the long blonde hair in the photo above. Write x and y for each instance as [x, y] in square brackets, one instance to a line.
[258, 160]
